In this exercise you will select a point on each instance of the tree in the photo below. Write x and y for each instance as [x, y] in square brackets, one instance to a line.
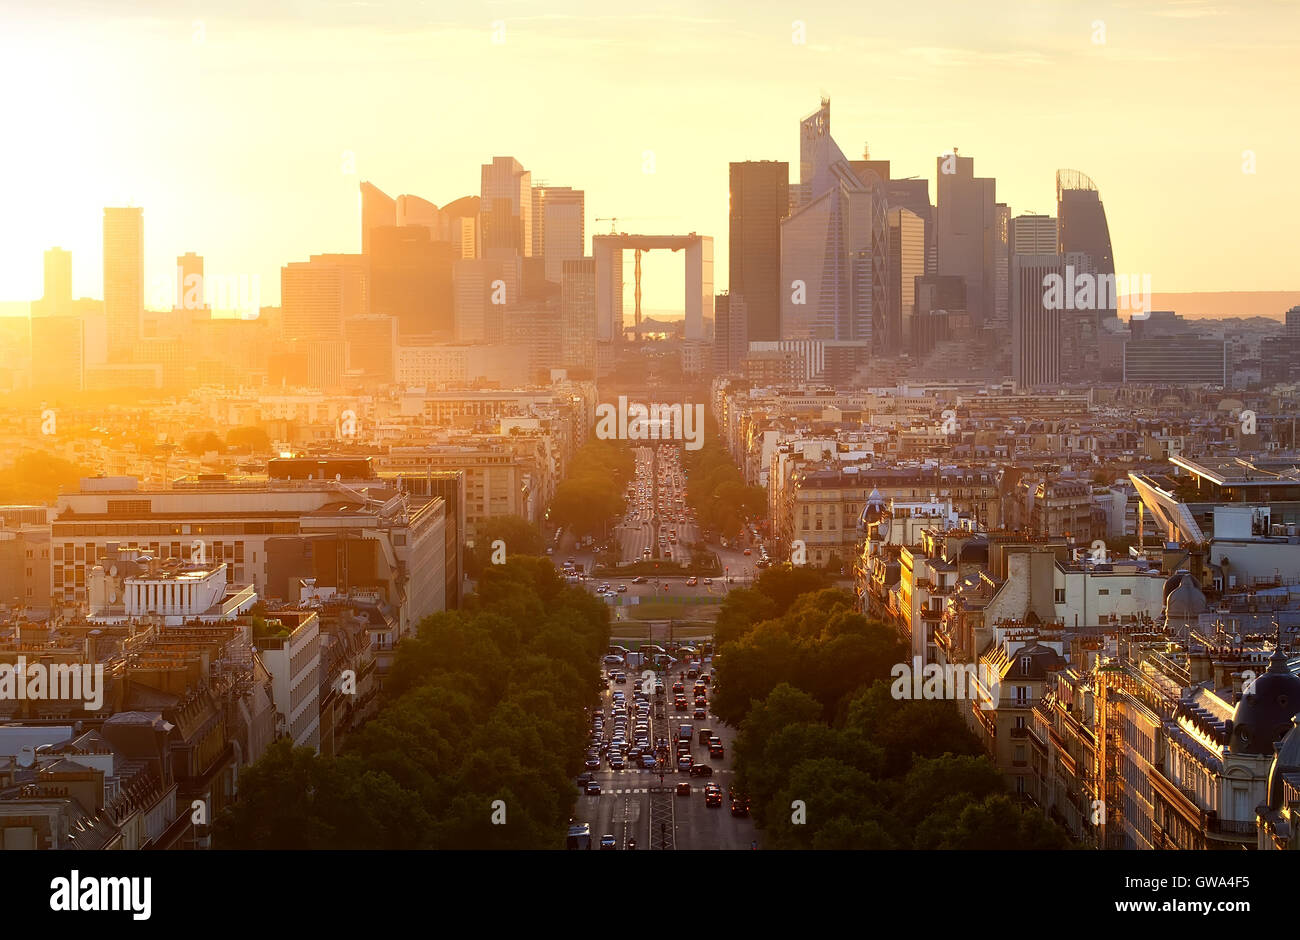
[249, 439]
[199, 443]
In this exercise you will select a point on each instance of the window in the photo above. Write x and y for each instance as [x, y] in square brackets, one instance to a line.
[1104, 592]
[1125, 592]
[1025, 663]
[1022, 695]
[1060, 595]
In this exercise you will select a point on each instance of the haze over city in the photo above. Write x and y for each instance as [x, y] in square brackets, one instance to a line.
[229, 124]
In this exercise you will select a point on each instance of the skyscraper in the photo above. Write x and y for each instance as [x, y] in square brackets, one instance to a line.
[190, 293]
[507, 209]
[730, 339]
[559, 227]
[834, 282]
[1082, 226]
[123, 280]
[377, 208]
[410, 279]
[1033, 235]
[906, 264]
[578, 306]
[1035, 326]
[760, 200]
[312, 300]
[966, 230]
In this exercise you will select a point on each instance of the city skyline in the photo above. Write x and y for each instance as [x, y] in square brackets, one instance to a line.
[251, 154]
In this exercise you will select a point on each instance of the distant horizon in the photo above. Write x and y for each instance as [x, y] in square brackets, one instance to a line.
[1283, 300]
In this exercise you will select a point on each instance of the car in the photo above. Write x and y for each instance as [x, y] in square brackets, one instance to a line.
[701, 701]
[706, 678]
[748, 552]
[679, 687]
[584, 777]
[640, 579]
[691, 582]
[684, 788]
[716, 750]
[648, 762]
[708, 580]
[613, 660]
[684, 764]
[705, 735]
[607, 841]
[713, 798]
[592, 762]
[620, 679]
[701, 770]
[593, 788]
[700, 714]
[616, 762]
[739, 806]
[622, 589]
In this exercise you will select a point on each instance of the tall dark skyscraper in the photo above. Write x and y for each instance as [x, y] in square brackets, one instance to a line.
[1081, 223]
[760, 199]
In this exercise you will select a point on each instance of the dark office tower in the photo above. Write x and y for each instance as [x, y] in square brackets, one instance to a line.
[377, 209]
[123, 281]
[410, 280]
[507, 209]
[940, 311]
[760, 199]
[58, 281]
[730, 341]
[966, 233]
[1082, 224]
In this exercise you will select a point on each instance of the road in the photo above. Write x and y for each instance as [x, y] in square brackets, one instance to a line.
[634, 804]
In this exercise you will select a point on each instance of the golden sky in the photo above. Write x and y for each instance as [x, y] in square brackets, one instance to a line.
[230, 123]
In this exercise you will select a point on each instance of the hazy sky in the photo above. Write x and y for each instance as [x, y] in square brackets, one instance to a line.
[229, 122]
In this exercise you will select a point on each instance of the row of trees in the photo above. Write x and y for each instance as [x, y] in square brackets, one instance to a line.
[484, 704]
[245, 440]
[716, 489]
[829, 758]
[36, 477]
[595, 490]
